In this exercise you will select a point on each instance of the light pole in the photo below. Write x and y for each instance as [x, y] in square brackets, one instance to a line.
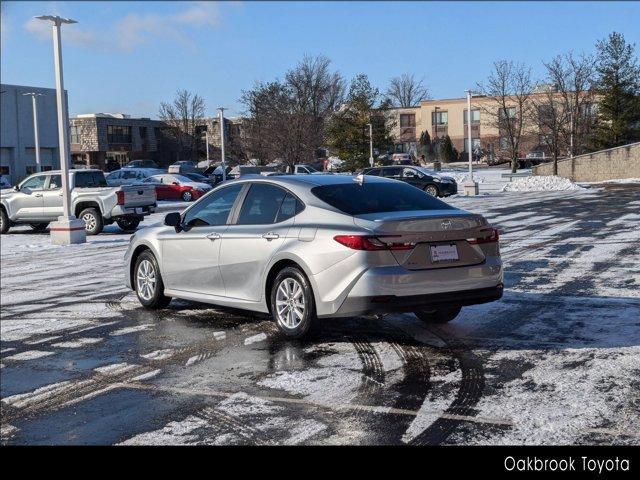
[68, 229]
[370, 144]
[36, 136]
[206, 143]
[470, 186]
[222, 163]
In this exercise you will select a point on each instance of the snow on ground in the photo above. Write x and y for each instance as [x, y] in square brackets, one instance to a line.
[540, 184]
[614, 180]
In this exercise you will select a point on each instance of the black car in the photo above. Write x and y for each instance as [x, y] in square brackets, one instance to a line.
[422, 178]
[197, 177]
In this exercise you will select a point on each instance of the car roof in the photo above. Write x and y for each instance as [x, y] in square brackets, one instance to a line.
[308, 180]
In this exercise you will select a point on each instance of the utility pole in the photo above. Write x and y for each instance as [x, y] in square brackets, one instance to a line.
[68, 229]
[222, 164]
[370, 144]
[36, 135]
[470, 186]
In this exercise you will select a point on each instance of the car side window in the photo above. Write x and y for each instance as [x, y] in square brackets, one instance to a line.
[373, 171]
[410, 173]
[129, 175]
[391, 172]
[290, 207]
[55, 182]
[213, 209]
[34, 183]
[261, 205]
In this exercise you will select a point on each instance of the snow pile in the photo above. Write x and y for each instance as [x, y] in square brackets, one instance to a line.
[540, 184]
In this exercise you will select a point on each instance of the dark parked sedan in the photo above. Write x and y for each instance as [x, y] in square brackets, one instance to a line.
[422, 178]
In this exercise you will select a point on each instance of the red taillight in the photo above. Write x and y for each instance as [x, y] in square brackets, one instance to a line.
[370, 243]
[494, 236]
[120, 195]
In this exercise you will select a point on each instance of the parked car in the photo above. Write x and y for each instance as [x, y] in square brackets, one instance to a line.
[431, 182]
[5, 181]
[198, 177]
[306, 248]
[171, 186]
[402, 159]
[141, 164]
[303, 169]
[37, 201]
[215, 173]
[183, 166]
[130, 176]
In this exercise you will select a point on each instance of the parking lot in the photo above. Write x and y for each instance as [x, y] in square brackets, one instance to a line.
[556, 361]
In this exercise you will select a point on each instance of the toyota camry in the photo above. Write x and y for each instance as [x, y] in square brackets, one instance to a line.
[307, 247]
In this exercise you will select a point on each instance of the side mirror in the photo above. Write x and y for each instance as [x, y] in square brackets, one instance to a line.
[176, 183]
[174, 220]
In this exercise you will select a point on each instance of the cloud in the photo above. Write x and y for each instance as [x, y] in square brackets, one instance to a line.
[135, 30]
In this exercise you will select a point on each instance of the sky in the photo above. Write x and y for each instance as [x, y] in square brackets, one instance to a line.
[129, 56]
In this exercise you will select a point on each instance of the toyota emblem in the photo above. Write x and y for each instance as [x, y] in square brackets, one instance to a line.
[446, 224]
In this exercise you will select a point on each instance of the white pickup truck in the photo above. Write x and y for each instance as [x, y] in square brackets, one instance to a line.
[37, 200]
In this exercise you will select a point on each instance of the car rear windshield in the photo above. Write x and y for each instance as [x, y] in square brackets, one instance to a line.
[90, 179]
[356, 199]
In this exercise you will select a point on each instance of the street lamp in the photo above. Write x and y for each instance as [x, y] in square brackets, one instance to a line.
[370, 144]
[222, 163]
[470, 186]
[68, 229]
[36, 136]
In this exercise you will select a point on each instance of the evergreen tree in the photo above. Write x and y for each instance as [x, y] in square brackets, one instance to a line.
[447, 152]
[425, 147]
[618, 84]
[348, 132]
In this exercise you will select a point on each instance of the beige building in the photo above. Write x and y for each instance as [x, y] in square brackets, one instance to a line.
[449, 117]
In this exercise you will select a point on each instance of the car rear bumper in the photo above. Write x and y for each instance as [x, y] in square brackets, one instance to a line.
[383, 289]
[125, 211]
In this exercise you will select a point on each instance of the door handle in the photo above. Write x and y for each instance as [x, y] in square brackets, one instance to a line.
[270, 236]
[38, 195]
[213, 236]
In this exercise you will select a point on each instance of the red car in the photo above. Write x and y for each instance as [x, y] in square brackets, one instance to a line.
[173, 186]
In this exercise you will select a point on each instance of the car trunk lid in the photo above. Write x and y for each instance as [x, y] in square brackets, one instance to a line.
[138, 195]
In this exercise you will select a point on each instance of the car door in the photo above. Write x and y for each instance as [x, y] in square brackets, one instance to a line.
[52, 197]
[258, 232]
[28, 201]
[190, 256]
[412, 177]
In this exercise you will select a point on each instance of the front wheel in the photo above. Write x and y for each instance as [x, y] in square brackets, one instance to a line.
[292, 303]
[432, 190]
[187, 196]
[92, 218]
[128, 224]
[4, 221]
[148, 283]
[438, 315]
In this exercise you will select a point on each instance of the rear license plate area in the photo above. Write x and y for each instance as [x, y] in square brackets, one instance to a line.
[444, 253]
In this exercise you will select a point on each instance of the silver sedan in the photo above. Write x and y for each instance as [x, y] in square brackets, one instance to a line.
[308, 247]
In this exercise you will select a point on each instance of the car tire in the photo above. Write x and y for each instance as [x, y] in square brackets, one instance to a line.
[187, 196]
[147, 282]
[39, 227]
[438, 315]
[128, 224]
[292, 303]
[432, 190]
[4, 222]
[92, 220]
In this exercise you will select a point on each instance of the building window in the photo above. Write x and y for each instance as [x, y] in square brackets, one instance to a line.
[504, 143]
[75, 133]
[5, 170]
[545, 139]
[118, 134]
[509, 112]
[475, 116]
[589, 109]
[407, 120]
[143, 132]
[439, 118]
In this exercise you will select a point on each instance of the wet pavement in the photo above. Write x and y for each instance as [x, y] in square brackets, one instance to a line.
[557, 360]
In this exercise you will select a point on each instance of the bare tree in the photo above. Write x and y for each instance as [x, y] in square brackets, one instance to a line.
[287, 119]
[406, 91]
[509, 88]
[549, 113]
[182, 116]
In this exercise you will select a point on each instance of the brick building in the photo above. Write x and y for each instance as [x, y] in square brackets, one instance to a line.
[99, 138]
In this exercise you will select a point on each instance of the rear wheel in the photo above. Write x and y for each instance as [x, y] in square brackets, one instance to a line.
[39, 227]
[128, 224]
[431, 190]
[438, 315]
[4, 221]
[148, 282]
[292, 303]
[93, 223]
[187, 196]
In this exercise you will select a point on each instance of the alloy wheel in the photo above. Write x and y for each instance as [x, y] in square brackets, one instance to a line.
[146, 280]
[290, 304]
[89, 221]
